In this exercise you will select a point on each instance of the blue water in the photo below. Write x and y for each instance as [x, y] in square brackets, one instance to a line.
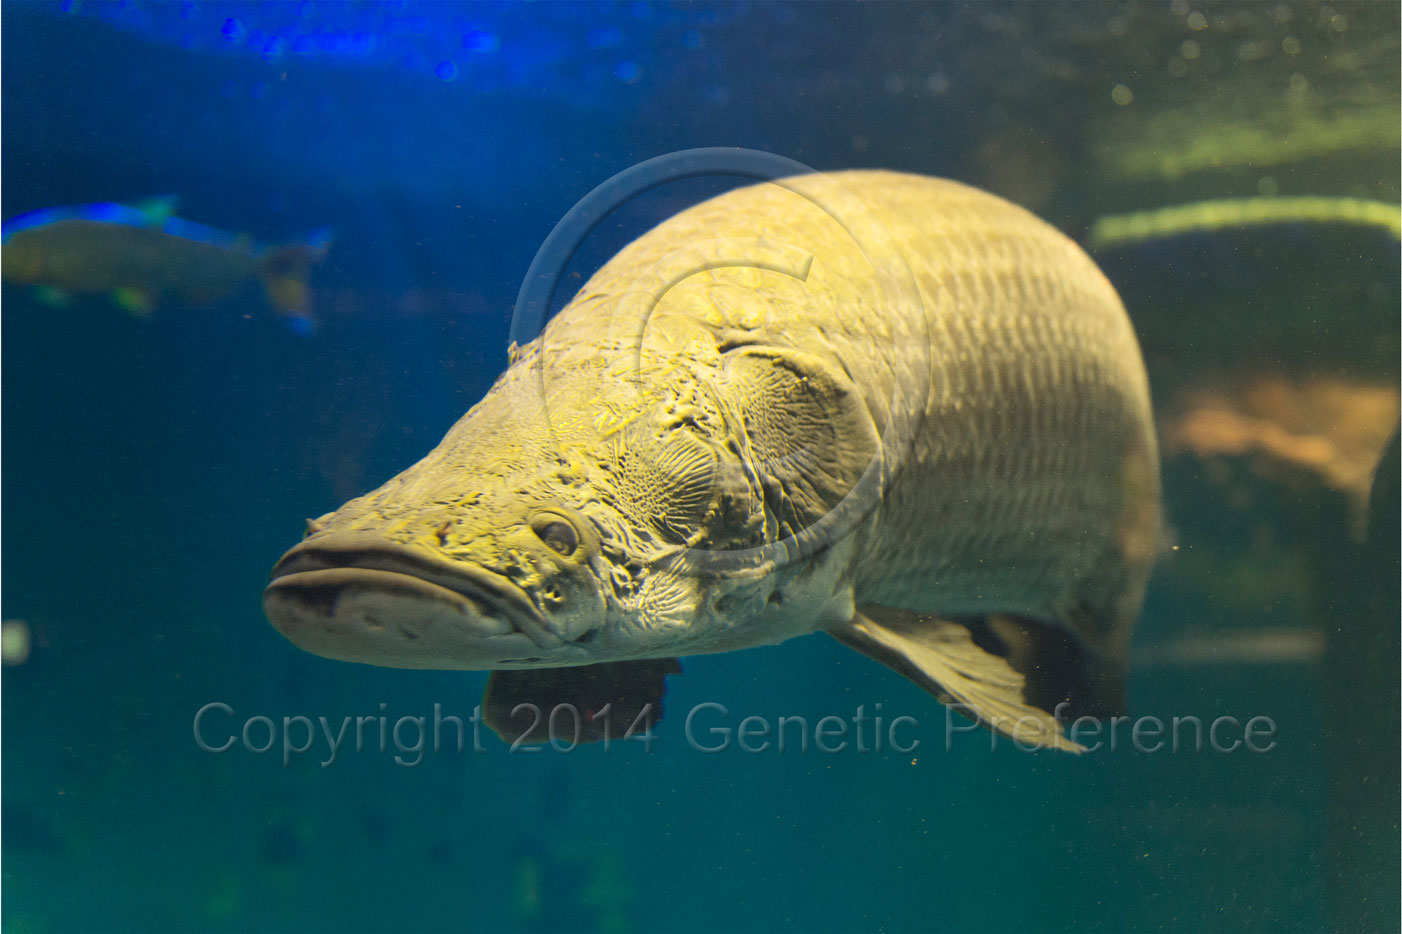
[154, 469]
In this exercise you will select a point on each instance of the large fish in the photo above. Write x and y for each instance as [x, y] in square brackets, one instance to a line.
[891, 408]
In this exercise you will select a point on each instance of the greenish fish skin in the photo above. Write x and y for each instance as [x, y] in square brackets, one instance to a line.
[649, 478]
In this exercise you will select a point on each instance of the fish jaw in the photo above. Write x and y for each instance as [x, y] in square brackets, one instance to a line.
[363, 598]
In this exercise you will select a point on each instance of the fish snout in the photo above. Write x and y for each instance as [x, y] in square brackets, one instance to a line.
[361, 597]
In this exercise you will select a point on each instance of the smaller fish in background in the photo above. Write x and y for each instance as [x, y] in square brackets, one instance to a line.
[145, 257]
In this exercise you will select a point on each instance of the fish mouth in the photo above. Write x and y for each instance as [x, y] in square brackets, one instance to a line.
[362, 598]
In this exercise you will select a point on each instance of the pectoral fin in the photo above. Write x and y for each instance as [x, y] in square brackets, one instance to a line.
[609, 700]
[943, 657]
[134, 301]
[52, 297]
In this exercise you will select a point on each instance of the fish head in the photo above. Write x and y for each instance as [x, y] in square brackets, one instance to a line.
[476, 557]
[534, 535]
[585, 513]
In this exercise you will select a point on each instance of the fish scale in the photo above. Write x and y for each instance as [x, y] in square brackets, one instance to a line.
[1079, 357]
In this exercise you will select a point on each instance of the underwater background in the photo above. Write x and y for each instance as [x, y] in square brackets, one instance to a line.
[155, 466]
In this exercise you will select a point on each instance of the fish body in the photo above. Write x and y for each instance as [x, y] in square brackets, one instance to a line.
[891, 408]
[147, 258]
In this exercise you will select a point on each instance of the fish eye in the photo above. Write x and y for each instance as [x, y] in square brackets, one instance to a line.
[558, 535]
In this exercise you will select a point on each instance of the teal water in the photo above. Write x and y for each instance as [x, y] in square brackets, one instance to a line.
[155, 468]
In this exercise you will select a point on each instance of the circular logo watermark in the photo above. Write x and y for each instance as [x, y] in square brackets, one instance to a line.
[896, 325]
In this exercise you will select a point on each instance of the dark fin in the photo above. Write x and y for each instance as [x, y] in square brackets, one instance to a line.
[156, 211]
[628, 688]
[1057, 668]
[945, 658]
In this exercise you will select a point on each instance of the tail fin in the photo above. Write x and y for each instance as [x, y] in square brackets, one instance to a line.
[284, 274]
